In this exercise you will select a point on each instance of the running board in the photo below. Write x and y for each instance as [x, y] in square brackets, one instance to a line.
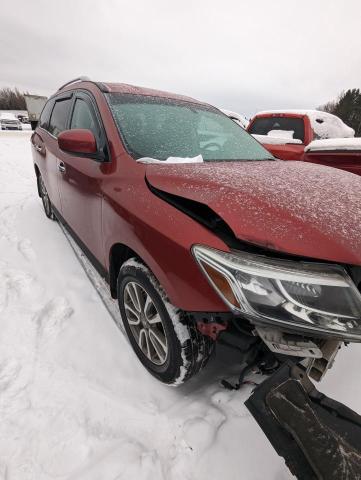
[99, 283]
[318, 437]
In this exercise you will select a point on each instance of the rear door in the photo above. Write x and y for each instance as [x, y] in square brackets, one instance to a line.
[45, 144]
[81, 180]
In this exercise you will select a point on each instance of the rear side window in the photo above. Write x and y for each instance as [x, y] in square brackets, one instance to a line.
[59, 116]
[84, 117]
[45, 114]
[294, 127]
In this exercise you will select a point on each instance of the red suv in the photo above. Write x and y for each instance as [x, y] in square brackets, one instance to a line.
[200, 232]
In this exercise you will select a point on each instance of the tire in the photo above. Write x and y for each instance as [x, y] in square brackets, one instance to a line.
[48, 208]
[187, 350]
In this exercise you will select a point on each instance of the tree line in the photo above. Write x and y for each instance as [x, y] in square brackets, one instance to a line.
[348, 107]
[12, 99]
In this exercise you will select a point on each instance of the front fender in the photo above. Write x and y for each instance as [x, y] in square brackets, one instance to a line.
[162, 237]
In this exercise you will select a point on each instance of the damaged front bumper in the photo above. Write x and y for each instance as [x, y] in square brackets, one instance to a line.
[318, 437]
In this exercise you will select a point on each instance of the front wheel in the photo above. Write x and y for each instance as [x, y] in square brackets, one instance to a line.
[165, 341]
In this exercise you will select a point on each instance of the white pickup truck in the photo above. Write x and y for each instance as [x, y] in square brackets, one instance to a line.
[34, 106]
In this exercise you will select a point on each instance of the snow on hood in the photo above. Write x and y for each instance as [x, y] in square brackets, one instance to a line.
[335, 144]
[303, 209]
[197, 159]
[275, 140]
[325, 125]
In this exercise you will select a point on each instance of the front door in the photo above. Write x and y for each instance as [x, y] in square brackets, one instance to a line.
[81, 181]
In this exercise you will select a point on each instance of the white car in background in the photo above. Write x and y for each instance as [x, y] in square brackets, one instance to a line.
[241, 120]
[8, 121]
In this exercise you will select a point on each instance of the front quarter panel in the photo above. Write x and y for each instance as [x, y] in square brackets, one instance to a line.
[161, 235]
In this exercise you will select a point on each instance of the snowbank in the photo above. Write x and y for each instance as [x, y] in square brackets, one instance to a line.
[335, 144]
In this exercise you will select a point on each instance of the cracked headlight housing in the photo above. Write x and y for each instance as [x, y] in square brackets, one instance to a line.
[308, 296]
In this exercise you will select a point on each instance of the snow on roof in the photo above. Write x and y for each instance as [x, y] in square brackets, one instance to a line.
[296, 111]
[335, 144]
[237, 117]
[7, 116]
[325, 125]
[275, 140]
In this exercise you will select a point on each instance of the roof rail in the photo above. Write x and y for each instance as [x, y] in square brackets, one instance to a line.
[78, 79]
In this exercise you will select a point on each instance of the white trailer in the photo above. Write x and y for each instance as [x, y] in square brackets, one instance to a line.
[34, 105]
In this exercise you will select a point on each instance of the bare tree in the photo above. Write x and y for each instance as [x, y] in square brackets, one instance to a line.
[11, 99]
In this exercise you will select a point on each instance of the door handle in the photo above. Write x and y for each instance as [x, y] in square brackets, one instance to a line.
[61, 167]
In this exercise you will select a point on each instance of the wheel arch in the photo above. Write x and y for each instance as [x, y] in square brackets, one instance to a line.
[119, 253]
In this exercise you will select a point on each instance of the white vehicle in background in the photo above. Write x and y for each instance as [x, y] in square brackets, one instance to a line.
[8, 121]
[241, 120]
[34, 106]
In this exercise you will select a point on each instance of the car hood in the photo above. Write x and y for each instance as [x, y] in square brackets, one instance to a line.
[298, 208]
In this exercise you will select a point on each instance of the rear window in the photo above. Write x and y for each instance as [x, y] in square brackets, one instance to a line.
[287, 127]
[59, 116]
[161, 128]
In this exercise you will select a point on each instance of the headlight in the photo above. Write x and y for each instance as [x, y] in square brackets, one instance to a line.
[315, 297]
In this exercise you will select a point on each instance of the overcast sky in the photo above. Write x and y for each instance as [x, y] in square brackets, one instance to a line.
[241, 55]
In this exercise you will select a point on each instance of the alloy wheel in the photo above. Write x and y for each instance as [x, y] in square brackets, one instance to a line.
[145, 323]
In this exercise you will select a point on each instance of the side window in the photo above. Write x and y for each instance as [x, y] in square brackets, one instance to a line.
[45, 114]
[59, 116]
[84, 117]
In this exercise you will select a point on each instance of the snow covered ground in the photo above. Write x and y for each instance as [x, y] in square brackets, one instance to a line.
[74, 401]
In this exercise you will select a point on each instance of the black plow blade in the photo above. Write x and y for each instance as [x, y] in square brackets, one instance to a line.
[318, 437]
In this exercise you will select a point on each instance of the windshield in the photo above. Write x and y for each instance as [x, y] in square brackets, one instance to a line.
[285, 127]
[160, 128]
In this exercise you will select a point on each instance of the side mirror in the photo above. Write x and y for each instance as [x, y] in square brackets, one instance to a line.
[78, 141]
